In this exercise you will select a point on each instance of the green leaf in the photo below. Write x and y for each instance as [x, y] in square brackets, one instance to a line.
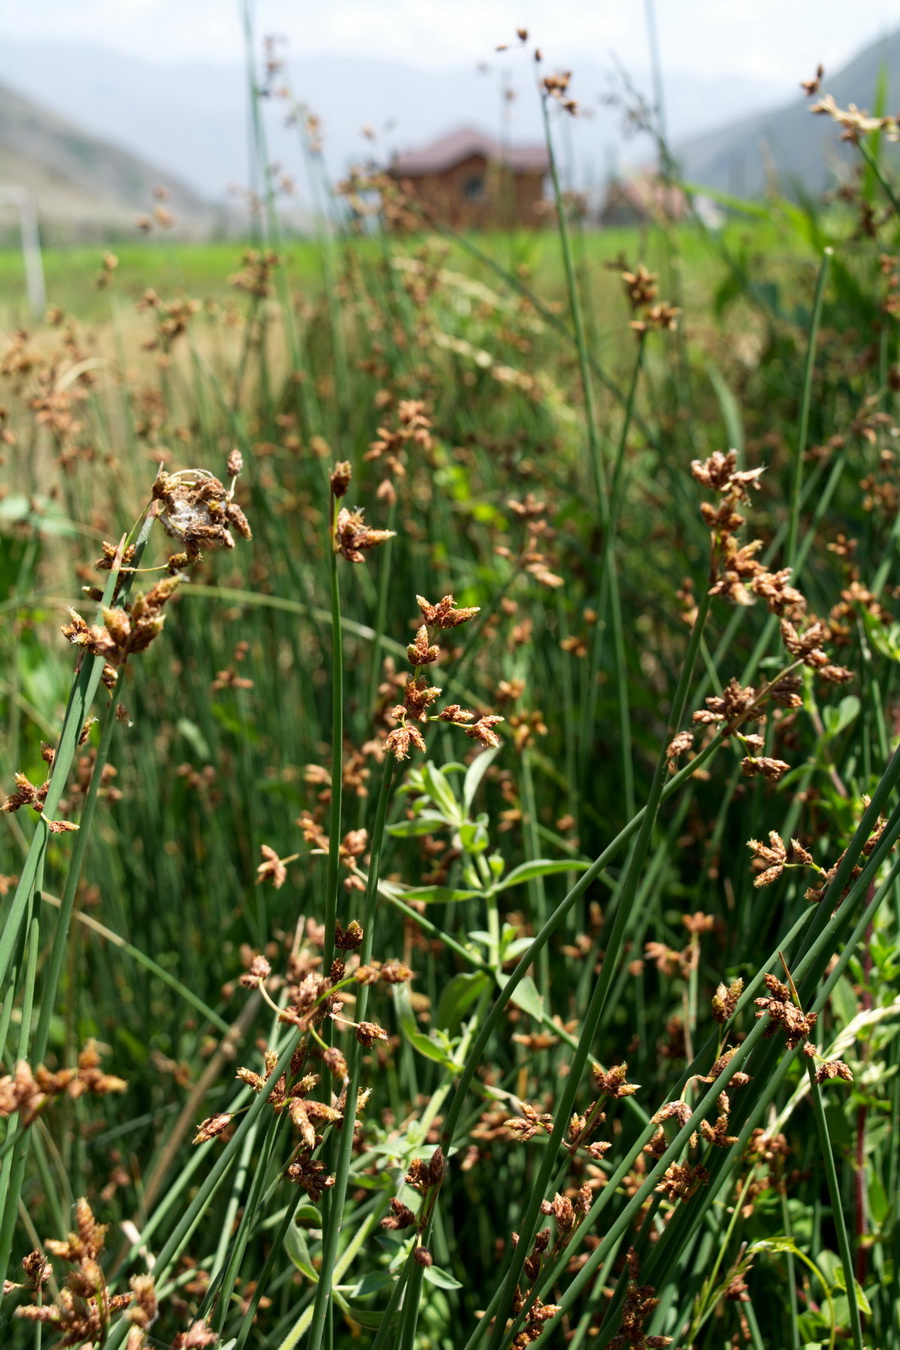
[458, 995]
[369, 1320]
[372, 1283]
[511, 951]
[541, 867]
[441, 792]
[425, 1045]
[436, 895]
[298, 1251]
[473, 835]
[237, 726]
[426, 822]
[741, 205]
[40, 513]
[525, 996]
[844, 1002]
[839, 1281]
[836, 719]
[731, 412]
[878, 1201]
[862, 1302]
[496, 864]
[309, 1215]
[434, 1275]
[474, 774]
[885, 638]
[779, 1244]
[195, 738]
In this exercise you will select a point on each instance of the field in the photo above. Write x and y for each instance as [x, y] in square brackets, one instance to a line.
[449, 710]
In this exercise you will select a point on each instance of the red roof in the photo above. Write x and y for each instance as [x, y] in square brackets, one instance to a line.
[464, 144]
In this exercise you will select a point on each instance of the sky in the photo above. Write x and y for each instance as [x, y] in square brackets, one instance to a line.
[778, 40]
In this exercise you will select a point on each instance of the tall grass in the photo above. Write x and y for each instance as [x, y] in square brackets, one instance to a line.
[523, 1051]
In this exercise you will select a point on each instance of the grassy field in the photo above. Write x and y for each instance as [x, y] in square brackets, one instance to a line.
[202, 270]
[463, 914]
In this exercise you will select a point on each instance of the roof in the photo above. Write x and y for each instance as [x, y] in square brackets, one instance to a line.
[464, 144]
[647, 194]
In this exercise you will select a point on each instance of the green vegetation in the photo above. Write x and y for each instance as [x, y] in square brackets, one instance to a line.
[316, 1020]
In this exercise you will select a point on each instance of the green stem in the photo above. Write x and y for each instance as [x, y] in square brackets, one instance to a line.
[611, 595]
[594, 1012]
[332, 1234]
[876, 168]
[194, 1212]
[12, 1170]
[349, 1254]
[337, 749]
[581, 344]
[73, 875]
[805, 401]
[384, 578]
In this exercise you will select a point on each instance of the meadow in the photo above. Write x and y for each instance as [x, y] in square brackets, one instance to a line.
[449, 716]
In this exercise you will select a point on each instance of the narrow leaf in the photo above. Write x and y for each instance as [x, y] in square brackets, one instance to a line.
[440, 1278]
[541, 867]
[525, 996]
[474, 774]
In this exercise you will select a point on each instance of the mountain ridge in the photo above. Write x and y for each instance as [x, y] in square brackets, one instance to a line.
[82, 184]
[788, 144]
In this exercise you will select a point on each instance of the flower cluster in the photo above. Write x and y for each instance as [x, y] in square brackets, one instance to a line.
[781, 1005]
[194, 507]
[855, 122]
[772, 859]
[641, 292]
[126, 630]
[610, 1083]
[532, 557]
[82, 1313]
[307, 1115]
[28, 794]
[426, 1178]
[171, 319]
[639, 1304]
[353, 537]
[568, 1216]
[412, 430]
[419, 695]
[736, 573]
[681, 1180]
[30, 1092]
[352, 848]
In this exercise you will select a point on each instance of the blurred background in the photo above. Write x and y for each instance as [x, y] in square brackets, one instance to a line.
[101, 102]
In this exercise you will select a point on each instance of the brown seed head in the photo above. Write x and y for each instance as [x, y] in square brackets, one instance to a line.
[340, 478]
[213, 1125]
[353, 536]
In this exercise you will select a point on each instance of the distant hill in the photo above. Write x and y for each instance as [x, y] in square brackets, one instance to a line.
[84, 186]
[789, 145]
[191, 116]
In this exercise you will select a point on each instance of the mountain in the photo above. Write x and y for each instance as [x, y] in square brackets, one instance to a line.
[85, 186]
[92, 131]
[789, 145]
[192, 116]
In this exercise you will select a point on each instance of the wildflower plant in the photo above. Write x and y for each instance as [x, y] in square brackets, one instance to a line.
[127, 628]
[491, 973]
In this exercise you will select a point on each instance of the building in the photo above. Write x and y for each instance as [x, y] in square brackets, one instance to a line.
[647, 199]
[470, 181]
[642, 199]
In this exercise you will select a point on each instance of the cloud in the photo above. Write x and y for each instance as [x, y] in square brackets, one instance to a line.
[767, 38]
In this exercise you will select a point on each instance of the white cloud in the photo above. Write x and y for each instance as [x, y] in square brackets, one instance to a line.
[776, 39]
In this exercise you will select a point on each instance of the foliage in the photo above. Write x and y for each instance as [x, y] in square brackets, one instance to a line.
[413, 1003]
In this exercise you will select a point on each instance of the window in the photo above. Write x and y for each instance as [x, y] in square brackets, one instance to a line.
[473, 188]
